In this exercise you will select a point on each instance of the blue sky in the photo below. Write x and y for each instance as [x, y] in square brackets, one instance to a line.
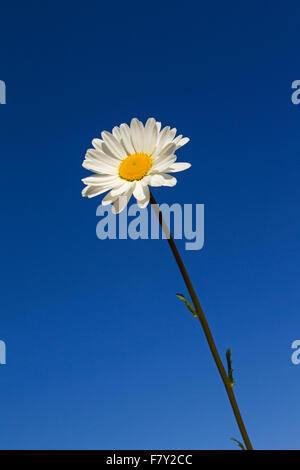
[100, 352]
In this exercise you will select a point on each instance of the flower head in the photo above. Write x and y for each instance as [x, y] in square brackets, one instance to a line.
[129, 160]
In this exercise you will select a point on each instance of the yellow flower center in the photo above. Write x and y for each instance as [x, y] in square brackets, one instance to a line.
[135, 166]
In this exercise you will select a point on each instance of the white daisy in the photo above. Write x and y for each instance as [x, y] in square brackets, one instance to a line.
[130, 160]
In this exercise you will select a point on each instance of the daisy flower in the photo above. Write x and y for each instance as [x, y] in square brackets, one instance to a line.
[129, 160]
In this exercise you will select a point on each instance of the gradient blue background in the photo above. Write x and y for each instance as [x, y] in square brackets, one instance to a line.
[100, 352]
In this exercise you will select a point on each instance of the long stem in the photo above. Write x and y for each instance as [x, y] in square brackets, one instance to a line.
[204, 324]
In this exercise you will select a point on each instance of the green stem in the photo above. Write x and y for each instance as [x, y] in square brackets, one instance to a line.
[204, 324]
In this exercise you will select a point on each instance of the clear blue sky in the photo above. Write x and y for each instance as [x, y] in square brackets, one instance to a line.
[100, 352]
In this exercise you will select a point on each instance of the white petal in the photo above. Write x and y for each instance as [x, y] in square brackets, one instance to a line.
[161, 165]
[173, 132]
[162, 180]
[116, 133]
[146, 191]
[96, 180]
[163, 140]
[106, 150]
[168, 180]
[144, 202]
[139, 192]
[167, 151]
[180, 166]
[97, 143]
[166, 137]
[99, 167]
[126, 139]
[99, 153]
[100, 156]
[150, 137]
[177, 139]
[182, 142]
[156, 180]
[137, 134]
[113, 144]
[122, 202]
[109, 199]
[92, 191]
[122, 188]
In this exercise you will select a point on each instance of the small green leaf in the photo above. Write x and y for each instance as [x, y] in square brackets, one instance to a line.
[188, 305]
[238, 443]
[229, 366]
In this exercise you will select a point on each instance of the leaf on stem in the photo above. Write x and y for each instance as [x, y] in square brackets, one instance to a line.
[238, 443]
[188, 305]
[229, 366]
